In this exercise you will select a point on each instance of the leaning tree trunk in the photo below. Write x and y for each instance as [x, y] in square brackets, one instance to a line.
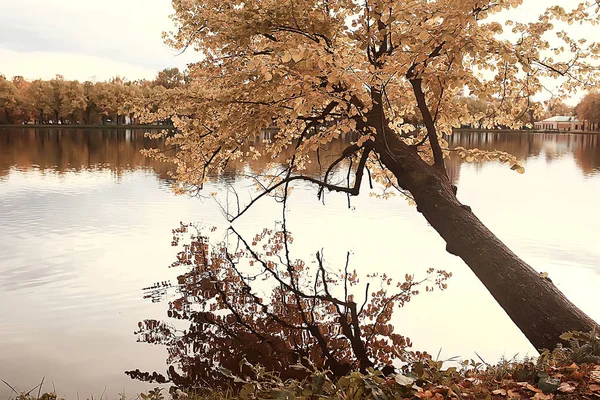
[534, 304]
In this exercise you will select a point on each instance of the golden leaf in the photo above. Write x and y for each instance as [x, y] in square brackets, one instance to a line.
[297, 56]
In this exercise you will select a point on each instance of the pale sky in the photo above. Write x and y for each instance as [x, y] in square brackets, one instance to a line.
[97, 40]
[84, 39]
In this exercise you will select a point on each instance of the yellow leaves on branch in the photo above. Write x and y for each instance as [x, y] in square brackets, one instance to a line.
[284, 66]
[296, 54]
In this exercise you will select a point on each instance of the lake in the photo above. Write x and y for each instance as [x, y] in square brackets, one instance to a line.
[86, 224]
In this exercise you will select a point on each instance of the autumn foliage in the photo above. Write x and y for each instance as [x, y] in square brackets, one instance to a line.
[471, 380]
[388, 74]
[253, 302]
[71, 101]
[567, 373]
[588, 110]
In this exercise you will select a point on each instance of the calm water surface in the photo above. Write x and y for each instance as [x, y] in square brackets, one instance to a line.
[86, 223]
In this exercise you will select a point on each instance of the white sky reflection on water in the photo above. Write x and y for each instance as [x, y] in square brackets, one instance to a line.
[78, 243]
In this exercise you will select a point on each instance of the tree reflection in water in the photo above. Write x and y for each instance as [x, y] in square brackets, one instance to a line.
[64, 150]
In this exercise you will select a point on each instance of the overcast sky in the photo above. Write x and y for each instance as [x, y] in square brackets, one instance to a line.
[86, 40]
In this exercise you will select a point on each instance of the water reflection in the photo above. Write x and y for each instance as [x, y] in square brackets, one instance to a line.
[64, 150]
[241, 306]
[582, 147]
[86, 221]
[118, 150]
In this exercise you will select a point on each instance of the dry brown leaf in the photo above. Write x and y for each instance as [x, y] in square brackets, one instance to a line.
[528, 386]
[576, 375]
[594, 388]
[427, 394]
[595, 376]
[566, 387]
[500, 392]
[513, 394]
[572, 367]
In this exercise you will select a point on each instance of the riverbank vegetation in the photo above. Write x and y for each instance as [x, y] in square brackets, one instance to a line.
[553, 376]
[481, 111]
[571, 372]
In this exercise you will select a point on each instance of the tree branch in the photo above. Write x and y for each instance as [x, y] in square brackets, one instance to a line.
[438, 155]
[353, 191]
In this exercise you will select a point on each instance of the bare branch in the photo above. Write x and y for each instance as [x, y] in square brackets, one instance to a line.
[353, 191]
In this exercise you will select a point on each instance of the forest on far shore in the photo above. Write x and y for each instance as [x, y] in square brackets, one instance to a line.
[115, 101]
[72, 102]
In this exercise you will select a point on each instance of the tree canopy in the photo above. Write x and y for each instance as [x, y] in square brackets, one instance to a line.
[388, 74]
[305, 63]
[588, 108]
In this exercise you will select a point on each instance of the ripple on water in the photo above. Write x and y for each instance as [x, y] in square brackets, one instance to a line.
[79, 240]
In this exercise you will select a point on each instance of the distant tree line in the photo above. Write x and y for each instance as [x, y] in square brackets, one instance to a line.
[72, 102]
[588, 110]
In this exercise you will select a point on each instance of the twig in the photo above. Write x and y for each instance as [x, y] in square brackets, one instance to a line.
[482, 360]
[12, 388]
[41, 384]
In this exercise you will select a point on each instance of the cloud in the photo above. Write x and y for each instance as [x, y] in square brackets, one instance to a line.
[124, 32]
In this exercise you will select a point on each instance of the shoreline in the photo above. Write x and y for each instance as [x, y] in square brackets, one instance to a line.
[141, 126]
[475, 130]
[71, 126]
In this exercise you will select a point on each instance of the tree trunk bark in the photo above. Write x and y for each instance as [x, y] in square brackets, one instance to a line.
[533, 303]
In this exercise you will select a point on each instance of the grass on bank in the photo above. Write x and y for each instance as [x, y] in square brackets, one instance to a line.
[571, 372]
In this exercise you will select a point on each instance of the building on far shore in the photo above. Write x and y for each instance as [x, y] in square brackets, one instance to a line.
[561, 123]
